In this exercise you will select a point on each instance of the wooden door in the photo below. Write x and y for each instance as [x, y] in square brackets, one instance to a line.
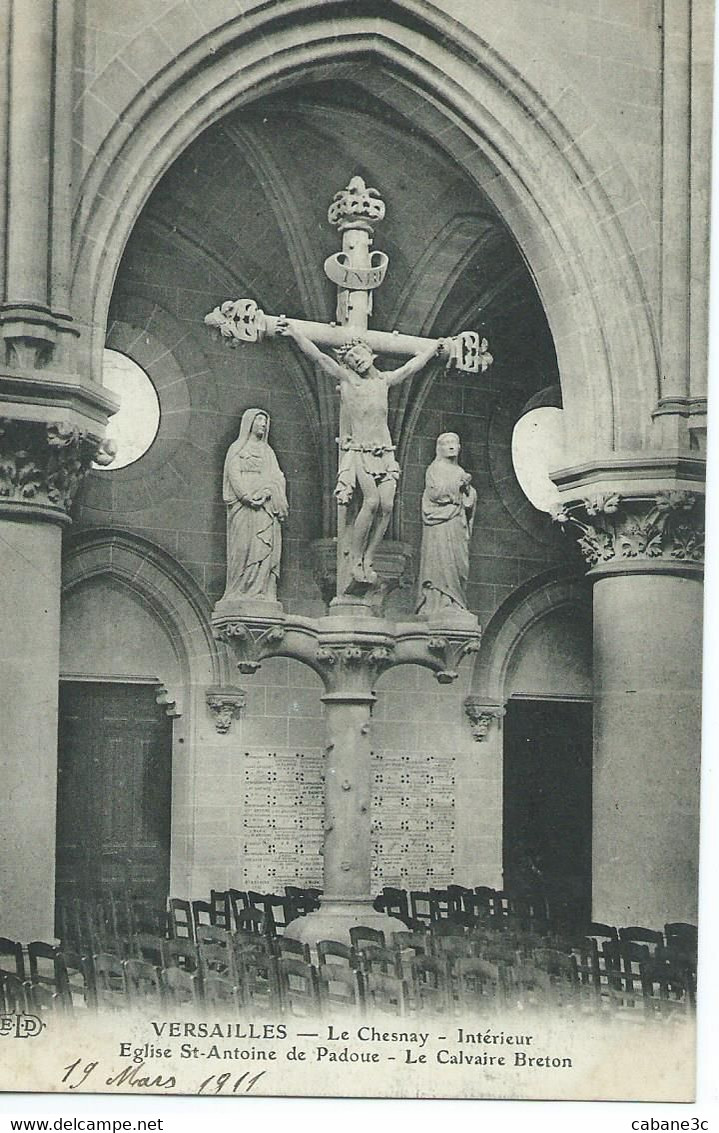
[547, 830]
[114, 792]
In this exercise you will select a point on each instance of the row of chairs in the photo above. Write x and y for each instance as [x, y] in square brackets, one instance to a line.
[448, 968]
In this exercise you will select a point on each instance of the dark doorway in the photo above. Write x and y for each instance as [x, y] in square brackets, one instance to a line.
[114, 793]
[547, 840]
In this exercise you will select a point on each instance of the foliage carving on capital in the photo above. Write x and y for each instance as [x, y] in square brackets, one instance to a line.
[43, 464]
[250, 642]
[667, 526]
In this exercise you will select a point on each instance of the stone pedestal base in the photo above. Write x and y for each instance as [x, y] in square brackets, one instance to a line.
[336, 916]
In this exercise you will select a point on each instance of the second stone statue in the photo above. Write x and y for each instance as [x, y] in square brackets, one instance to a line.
[253, 487]
[448, 507]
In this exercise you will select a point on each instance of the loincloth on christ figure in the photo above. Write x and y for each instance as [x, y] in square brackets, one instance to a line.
[377, 461]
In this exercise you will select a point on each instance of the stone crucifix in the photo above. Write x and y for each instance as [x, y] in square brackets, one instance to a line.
[367, 469]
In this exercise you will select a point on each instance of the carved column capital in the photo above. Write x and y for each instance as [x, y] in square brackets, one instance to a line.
[225, 704]
[619, 533]
[42, 465]
[481, 715]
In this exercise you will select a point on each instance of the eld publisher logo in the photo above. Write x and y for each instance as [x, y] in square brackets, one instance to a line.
[20, 1026]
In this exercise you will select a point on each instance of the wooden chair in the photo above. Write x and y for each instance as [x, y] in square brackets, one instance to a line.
[181, 923]
[443, 904]
[74, 977]
[385, 995]
[252, 921]
[109, 990]
[624, 960]
[665, 989]
[394, 902]
[301, 901]
[219, 991]
[142, 982]
[528, 987]
[180, 987]
[563, 975]
[475, 986]
[298, 987]
[429, 984]
[340, 989]
[216, 952]
[682, 939]
[180, 952]
[12, 960]
[361, 935]
[259, 984]
[409, 944]
[13, 994]
[147, 946]
[238, 903]
[450, 947]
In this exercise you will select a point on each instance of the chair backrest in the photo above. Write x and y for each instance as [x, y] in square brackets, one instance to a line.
[430, 983]
[335, 950]
[444, 904]
[108, 980]
[284, 946]
[376, 958]
[43, 960]
[361, 935]
[142, 981]
[410, 942]
[252, 920]
[217, 956]
[213, 934]
[238, 902]
[74, 977]
[221, 909]
[666, 988]
[681, 935]
[394, 902]
[478, 985]
[298, 986]
[636, 934]
[180, 952]
[220, 990]
[147, 946]
[11, 957]
[339, 987]
[179, 986]
[420, 904]
[13, 994]
[201, 914]
[181, 923]
[385, 995]
[260, 982]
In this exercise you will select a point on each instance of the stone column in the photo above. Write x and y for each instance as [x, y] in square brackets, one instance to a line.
[645, 554]
[41, 466]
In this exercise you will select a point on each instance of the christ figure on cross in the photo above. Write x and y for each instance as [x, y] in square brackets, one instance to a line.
[366, 457]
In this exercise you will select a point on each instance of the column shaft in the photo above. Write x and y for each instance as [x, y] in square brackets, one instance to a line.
[30, 628]
[347, 844]
[647, 716]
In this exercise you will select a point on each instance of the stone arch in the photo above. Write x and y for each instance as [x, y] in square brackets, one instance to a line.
[163, 587]
[545, 594]
[521, 148]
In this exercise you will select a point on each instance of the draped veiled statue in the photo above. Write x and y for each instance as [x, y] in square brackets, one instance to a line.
[253, 487]
[448, 507]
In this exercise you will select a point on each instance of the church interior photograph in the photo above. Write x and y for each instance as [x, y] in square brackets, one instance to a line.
[352, 454]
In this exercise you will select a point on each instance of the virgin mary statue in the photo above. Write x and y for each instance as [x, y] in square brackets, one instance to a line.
[448, 506]
[253, 488]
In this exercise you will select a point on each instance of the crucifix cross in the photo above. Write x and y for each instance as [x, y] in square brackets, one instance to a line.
[368, 473]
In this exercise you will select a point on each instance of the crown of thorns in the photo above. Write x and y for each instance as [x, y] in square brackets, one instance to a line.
[342, 351]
